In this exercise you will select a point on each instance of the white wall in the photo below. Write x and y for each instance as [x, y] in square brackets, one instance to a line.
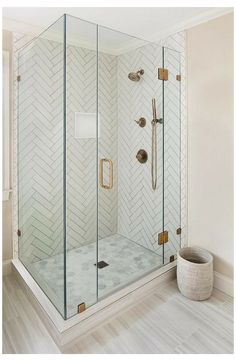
[7, 205]
[210, 140]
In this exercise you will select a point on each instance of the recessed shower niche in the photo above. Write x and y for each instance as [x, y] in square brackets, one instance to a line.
[90, 220]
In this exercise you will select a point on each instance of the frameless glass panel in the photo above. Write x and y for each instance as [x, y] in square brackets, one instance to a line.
[172, 152]
[99, 161]
[81, 155]
[130, 211]
[40, 161]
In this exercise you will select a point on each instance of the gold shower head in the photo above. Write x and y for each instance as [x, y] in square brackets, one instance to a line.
[135, 76]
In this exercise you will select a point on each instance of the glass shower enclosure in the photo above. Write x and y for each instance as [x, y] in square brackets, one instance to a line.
[98, 161]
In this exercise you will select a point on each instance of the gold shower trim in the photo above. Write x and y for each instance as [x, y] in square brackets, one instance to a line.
[163, 74]
[163, 237]
[81, 307]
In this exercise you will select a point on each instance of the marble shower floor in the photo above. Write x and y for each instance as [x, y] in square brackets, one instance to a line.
[127, 262]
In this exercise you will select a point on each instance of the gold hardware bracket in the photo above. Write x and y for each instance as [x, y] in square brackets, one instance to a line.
[178, 77]
[172, 258]
[18, 78]
[162, 74]
[81, 307]
[178, 231]
[163, 237]
[110, 163]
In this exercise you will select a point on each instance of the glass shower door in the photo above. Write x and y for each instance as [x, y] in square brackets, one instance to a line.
[81, 163]
[130, 211]
[172, 153]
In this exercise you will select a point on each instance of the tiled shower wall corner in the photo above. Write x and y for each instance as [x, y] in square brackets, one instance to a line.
[139, 207]
[120, 209]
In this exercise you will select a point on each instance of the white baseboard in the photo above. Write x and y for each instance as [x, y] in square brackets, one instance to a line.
[223, 283]
[6, 267]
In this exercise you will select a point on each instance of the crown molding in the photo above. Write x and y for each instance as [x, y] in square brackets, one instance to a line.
[194, 21]
[35, 30]
[21, 27]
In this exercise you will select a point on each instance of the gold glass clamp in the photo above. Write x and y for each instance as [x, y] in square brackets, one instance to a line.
[110, 163]
[163, 74]
[163, 237]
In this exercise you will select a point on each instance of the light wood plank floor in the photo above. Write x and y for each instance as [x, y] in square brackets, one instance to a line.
[165, 322]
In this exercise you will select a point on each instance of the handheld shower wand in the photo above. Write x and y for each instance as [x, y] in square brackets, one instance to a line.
[154, 143]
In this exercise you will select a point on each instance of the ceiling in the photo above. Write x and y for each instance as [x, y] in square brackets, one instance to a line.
[146, 23]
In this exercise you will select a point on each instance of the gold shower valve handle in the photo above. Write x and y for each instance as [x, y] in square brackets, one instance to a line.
[141, 122]
[142, 156]
[110, 164]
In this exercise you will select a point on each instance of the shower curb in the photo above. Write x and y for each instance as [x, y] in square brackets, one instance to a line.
[66, 332]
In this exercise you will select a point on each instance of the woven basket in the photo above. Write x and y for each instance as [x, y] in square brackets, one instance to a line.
[195, 273]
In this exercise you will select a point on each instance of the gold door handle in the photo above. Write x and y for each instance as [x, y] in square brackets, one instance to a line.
[110, 163]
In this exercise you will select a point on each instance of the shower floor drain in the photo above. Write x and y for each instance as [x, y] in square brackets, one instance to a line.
[101, 264]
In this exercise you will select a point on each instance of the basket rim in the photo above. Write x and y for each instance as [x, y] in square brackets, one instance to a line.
[207, 253]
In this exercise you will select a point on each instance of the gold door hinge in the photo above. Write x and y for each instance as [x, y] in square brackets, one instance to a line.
[178, 77]
[162, 74]
[163, 237]
[178, 231]
[81, 307]
[18, 232]
[172, 258]
[18, 78]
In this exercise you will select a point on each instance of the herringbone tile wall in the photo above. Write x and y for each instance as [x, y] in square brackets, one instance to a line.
[131, 208]
[40, 149]
[140, 209]
[82, 153]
